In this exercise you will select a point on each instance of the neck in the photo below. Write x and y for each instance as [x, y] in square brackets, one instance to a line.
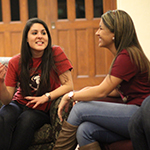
[37, 54]
[113, 50]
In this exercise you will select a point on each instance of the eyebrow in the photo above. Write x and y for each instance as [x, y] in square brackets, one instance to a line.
[37, 30]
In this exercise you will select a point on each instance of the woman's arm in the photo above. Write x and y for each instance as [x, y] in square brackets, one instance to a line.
[92, 93]
[100, 91]
[114, 93]
[66, 86]
[6, 93]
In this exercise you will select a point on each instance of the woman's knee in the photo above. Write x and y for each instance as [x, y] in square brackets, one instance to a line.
[10, 113]
[32, 118]
[83, 134]
[76, 113]
[25, 121]
[77, 108]
[83, 130]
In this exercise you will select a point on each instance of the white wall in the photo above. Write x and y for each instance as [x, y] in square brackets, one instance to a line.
[139, 10]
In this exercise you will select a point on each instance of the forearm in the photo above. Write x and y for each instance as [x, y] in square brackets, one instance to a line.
[66, 85]
[5, 96]
[61, 91]
[88, 94]
[100, 91]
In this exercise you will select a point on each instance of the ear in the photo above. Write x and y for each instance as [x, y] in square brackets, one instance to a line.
[113, 36]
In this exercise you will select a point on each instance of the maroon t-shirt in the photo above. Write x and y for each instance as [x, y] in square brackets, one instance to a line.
[135, 86]
[12, 76]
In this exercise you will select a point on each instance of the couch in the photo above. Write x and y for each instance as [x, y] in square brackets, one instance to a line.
[44, 138]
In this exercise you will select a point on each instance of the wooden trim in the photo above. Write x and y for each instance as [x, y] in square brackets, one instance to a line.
[109, 5]
[41, 11]
[53, 6]
[89, 9]
[23, 11]
[7, 44]
[71, 10]
[91, 49]
[81, 24]
[6, 16]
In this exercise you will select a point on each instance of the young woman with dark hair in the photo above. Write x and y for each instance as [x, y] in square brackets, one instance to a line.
[44, 73]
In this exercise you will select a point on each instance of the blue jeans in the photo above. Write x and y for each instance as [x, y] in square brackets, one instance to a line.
[139, 127]
[18, 124]
[101, 121]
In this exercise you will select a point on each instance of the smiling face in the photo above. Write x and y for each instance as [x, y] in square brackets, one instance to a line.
[38, 39]
[106, 37]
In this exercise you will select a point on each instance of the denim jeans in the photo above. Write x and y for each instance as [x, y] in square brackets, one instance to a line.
[18, 124]
[101, 121]
[139, 127]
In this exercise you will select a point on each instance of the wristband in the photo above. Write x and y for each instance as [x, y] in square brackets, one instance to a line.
[70, 95]
[49, 96]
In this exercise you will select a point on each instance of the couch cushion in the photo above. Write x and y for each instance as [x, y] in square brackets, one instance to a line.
[120, 145]
[43, 135]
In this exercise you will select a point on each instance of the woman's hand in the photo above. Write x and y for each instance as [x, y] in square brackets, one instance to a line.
[36, 100]
[64, 103]
[3, 70]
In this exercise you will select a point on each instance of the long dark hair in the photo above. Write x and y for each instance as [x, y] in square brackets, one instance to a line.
[121, 24]
[26, 62]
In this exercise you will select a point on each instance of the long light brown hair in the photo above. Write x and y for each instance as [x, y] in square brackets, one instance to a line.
[121, 24]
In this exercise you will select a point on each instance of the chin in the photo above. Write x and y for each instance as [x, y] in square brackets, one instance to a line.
[100, 45]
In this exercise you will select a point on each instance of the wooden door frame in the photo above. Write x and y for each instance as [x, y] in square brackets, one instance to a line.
[72, 21]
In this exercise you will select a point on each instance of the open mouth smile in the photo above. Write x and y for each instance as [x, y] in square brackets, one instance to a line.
[39, 43]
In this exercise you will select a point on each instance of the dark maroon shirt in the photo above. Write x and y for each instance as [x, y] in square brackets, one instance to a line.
[135, 86]
[12, 76]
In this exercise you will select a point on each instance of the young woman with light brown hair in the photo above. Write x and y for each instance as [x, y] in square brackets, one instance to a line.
[92, 122]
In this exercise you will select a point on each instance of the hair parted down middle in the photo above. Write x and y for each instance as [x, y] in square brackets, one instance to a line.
[26, 61]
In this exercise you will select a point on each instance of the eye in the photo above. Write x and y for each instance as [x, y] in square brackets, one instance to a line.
[34, 33]
[44, 33]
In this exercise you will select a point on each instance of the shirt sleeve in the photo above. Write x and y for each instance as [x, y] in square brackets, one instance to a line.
[123, 67]
[61, 61]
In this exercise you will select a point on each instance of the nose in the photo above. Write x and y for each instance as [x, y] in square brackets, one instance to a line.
[39, 35]
[97, 32]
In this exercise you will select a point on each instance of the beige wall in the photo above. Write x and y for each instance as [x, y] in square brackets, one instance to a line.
[139, 10]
